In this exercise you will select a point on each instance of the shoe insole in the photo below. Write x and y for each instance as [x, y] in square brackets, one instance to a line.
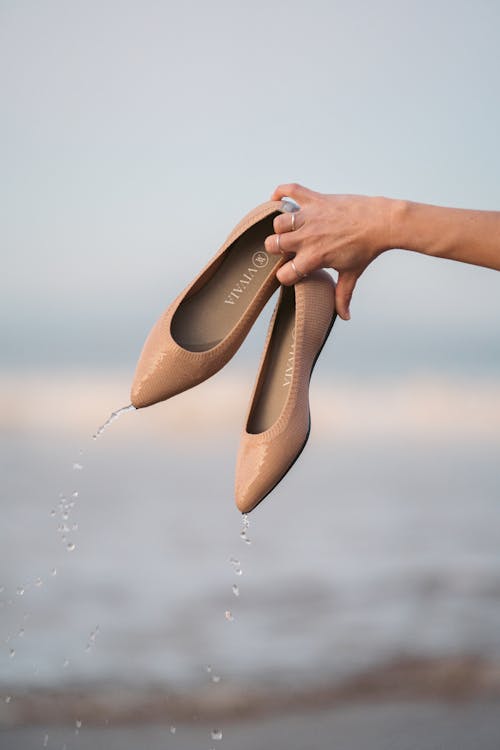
[208, 315]
[277, 368]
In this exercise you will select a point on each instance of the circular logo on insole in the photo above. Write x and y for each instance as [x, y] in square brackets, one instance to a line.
[260, 259]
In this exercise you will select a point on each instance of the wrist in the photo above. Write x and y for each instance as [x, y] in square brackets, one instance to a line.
[398, 210]
[388, 217]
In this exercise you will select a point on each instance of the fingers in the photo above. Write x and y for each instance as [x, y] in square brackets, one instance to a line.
[288, 274]
[343, 293]
[281, 243]
[284, 240]
[288, 222]
[299, 193]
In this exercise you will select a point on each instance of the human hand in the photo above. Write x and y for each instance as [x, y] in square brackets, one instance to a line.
[343, 232]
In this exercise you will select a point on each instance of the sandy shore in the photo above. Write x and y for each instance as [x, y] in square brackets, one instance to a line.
[366, 726]
[446, 680]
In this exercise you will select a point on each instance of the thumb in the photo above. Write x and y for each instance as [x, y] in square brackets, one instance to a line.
[343, 293]
[299, 193]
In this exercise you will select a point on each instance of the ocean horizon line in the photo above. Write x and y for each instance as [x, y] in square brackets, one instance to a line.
[419, 405]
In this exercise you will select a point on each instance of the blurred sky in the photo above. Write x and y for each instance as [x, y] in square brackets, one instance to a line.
[134, 134]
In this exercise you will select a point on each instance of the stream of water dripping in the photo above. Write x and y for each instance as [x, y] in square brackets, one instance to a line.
[65, 506]
[112, 418]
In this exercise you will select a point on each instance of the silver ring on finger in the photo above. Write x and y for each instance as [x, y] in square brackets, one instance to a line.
[299, 273]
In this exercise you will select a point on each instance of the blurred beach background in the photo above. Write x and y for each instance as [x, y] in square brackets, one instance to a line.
[365, 613]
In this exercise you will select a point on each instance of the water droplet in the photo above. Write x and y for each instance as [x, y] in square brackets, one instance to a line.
[75, 493]
[20, 591]
[66, 663]
[70, 546]
[208, 668]
[111, 419]
[244, 537]
[234, 561]
[20, 632]
[77, 466]
[74, 527]
[246, 521]
[78, 726]
[8, 698]
[215, 678]
[46, 740]
[38, 582]
[235, 590]
[228, 615]
[53, 571]
[53, 512]
[2, 588]
[216, 734]
[173, 729]
[93, 636]
[12, 653]
[238, 572]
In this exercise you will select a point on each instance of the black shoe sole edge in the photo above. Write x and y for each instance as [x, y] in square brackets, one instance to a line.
[327, 334]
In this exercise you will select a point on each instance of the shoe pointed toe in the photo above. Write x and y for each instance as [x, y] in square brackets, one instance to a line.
[159, 373]
[252, 477]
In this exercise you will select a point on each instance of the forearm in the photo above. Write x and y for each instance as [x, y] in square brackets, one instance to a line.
[466, 235]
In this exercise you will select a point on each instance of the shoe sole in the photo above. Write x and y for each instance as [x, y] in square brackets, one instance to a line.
[309, 427]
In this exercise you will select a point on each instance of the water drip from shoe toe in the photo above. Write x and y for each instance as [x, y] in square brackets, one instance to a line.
[243, 533]
[114, 416]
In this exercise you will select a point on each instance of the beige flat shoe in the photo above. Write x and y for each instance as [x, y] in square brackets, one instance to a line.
[206, 324]
[278, 420]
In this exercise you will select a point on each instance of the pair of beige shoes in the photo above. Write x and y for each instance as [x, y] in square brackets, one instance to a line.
[206, 324]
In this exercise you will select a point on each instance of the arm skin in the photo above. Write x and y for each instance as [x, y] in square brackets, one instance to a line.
[347, 232]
